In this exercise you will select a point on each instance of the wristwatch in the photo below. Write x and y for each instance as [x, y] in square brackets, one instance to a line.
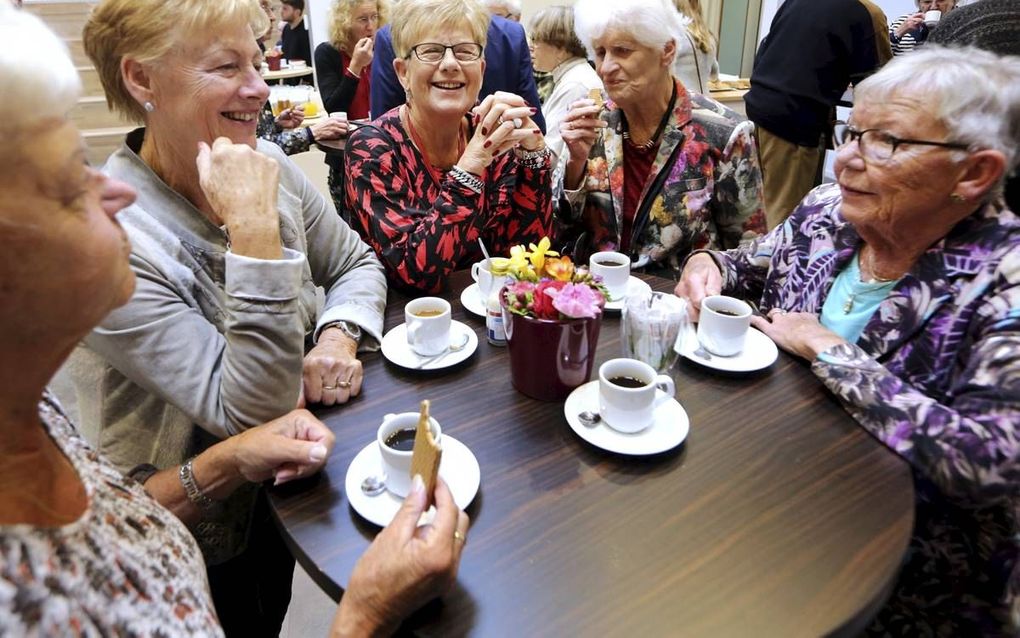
[349, 328]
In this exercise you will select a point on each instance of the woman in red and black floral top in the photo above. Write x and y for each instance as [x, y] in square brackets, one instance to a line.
[429, 178]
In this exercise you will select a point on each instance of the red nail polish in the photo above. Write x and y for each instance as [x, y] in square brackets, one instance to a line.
[487, 144]
[536, 131]
[485, 131]
[534, 110]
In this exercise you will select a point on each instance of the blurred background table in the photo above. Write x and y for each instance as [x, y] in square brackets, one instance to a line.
[778, 516]
[286, 74]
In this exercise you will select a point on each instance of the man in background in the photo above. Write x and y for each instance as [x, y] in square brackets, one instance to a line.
[814, 49]
[294, 40]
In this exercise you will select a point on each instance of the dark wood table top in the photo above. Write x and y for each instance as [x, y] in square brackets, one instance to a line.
[777, 516]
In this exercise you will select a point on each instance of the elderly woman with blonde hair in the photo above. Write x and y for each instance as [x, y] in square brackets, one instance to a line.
[228, 248]
[343, 65]
[695, 59]
[900, 285]
[431, 177]
[85, 550]
[659, 171]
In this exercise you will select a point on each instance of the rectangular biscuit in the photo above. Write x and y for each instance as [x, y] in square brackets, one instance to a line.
[427, 453]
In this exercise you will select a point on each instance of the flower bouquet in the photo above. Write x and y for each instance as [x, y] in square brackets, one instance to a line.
[552, 312]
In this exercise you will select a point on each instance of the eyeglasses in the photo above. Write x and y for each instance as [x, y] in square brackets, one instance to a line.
[366, 19]
[433, 52]
[876, 144]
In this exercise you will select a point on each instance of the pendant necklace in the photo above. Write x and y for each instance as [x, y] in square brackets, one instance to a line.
[848, 305]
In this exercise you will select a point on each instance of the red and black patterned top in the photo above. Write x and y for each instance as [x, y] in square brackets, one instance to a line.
[423, 231]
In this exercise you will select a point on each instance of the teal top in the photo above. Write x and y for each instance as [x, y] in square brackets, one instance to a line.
[851, 302]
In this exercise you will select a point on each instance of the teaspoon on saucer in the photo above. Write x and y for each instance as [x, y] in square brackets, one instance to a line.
[589, 419]
[453, 347]
[374, 485]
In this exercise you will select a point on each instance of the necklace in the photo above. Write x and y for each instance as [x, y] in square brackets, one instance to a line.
[434, 171]
[869, 258]
[654, 140]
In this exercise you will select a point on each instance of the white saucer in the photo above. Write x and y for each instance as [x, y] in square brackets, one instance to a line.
[759, 353]
[640, 262]
[458, 467]
[668, 430]
[396, 350]
[635, 286]
[471, 299]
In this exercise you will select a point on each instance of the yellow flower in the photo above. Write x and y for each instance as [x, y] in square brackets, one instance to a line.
[539, 253]
[560, 268]
[519, 266]
[659, 214]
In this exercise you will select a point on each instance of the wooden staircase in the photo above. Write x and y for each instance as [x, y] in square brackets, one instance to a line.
[102, 129]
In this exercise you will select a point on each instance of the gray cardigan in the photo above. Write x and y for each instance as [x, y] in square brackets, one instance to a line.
[212, 343]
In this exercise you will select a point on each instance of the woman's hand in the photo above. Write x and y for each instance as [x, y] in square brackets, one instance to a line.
[497, 132]
[579, 129]
[292, 446]
[331, 372]
[701, 278]
[405, 566]
[362, 55]
[910, 24]
[798, 333]
[291, 118]
[240, 186]
[331, 128]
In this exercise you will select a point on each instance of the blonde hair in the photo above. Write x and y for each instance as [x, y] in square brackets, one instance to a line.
[37, 78]
[146, 30]
[555, 26]
[414, 18]
[698, 28]
[340, 21]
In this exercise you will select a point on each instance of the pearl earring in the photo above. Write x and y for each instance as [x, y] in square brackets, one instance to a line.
[149, 107]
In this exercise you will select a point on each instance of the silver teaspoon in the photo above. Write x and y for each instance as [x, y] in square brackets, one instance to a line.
[589, 419]
[374, 485]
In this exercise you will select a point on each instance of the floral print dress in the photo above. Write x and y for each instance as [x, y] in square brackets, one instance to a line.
[423, 230]
[127, 567]
[935, 376]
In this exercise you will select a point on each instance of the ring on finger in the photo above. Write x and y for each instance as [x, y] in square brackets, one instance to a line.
[343, 384]
[457, 536]
[328, 387]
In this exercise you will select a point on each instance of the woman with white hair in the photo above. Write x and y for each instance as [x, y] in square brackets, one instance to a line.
[900, 284]
[225, 330]
[660, 171]
[85, 550]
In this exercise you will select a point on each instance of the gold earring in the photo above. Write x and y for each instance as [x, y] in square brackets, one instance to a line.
[957, 198]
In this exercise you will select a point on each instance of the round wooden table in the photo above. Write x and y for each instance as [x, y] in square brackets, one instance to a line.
[778, 516]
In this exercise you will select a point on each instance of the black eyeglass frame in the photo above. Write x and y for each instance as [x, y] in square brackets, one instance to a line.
[851, 134]
[446, 47]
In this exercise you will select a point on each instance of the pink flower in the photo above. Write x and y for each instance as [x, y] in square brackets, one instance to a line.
[577, 300]
[543, 304]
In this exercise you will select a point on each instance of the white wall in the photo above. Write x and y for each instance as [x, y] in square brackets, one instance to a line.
[317, 20]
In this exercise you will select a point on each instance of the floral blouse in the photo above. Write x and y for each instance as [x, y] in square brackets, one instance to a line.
[423, 230]
[704, 189]
[292, 141]
[936, 377]
[127, 567]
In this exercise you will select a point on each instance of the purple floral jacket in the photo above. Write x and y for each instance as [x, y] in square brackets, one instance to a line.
[704, 189]
[936, 377]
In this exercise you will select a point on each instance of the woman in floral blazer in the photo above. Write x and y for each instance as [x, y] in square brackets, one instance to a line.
[904, 293]
[660, 171]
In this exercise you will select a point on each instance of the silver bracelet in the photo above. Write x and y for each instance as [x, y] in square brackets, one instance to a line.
[191, 488]
[465, 178]
[532, 159]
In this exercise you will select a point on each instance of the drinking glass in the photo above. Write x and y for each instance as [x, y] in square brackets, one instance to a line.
[651, 322]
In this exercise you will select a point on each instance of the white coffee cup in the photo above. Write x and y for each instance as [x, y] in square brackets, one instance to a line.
[481, 272]
[339, 115]
[429, 333]
[631, 409]
[931, 18]
[614, 268]
[397, 463]
[723, 325]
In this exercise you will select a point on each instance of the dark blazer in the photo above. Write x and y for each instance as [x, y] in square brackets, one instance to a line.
[507, 68]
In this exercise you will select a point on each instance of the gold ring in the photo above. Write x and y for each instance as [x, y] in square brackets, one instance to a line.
[457, 536]
[343, 384]
[329, 387]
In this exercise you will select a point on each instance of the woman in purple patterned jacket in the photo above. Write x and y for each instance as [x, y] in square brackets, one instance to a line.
[901, 286]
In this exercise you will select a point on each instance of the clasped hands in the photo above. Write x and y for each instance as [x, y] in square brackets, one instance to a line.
[502, 122]
[799, 333]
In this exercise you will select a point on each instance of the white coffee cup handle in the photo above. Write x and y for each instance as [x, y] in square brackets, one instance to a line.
[474, 270]
[412, 331]
[665, 383]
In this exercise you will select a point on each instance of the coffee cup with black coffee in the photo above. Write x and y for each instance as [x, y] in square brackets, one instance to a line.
[629, 392]
[723, 325]
[614, 268]
[428, 325]
[395, 438]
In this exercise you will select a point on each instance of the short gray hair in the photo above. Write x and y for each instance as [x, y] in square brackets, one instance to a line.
[37, 78]
[652, 23]
[973, 93]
